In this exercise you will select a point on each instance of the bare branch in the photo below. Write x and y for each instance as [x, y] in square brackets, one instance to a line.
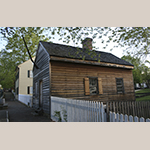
[29, 52]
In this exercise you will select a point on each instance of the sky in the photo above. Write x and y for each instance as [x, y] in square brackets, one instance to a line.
[97, 43]
[116, 51]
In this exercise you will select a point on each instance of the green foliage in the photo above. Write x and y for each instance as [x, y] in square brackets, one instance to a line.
[136, 39]
[15, 51]
[132, 39]
[58, 114]
[64, 112]
[141, 73]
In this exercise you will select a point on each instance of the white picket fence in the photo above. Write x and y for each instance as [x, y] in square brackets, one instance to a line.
[78, 110]
[87, 111]
[115, 117]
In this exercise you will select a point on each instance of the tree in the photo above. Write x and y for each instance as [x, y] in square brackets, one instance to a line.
[16, 53]
[146, 75]
[7, 71]
[141, 72]
[131, 39]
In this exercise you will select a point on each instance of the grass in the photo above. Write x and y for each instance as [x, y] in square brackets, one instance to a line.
[145, 98]
[143, 91]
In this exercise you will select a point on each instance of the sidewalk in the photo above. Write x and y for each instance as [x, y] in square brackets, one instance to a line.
[18, 112]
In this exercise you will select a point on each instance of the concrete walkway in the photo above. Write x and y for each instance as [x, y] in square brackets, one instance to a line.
[18, 112]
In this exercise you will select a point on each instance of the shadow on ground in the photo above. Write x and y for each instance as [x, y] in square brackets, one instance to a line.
[18, 112]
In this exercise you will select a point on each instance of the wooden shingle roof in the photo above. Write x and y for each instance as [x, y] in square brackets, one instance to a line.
[66, 51]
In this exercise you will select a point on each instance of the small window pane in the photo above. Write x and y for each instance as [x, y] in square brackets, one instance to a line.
[31, 74]
[119, 84]
[31, 90]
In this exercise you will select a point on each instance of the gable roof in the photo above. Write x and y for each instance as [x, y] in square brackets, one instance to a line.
[66, 51]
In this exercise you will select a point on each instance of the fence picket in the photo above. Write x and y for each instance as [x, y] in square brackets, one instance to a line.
[126, 118]
[136, 119]
[117, 117]
[147, 120]
[99, 111]
[91, 111]
[95, 114]
[116, 107]
[113, 117]
[113, 105]
[110, 116]
[102, 111]
[142, 119]
[130, 118]
[121, 117]
[107, 110]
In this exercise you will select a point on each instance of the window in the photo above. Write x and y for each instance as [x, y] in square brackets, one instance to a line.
[93, 86]
[119, 85]
[30, 74]
[30, 90]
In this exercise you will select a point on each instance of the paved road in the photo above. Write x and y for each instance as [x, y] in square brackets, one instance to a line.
[19, 112]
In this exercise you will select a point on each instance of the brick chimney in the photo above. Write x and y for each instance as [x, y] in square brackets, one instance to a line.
[87, 43]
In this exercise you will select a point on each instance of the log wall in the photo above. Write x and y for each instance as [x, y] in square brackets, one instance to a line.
[67, 80]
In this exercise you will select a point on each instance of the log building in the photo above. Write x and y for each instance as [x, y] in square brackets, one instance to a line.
[79, 73]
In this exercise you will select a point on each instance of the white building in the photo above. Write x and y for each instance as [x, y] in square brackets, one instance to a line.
[24, 83]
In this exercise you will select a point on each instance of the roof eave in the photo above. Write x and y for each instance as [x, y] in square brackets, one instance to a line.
[63, 59]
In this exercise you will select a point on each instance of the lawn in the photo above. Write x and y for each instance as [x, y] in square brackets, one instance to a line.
[145, 98]
[143, 91]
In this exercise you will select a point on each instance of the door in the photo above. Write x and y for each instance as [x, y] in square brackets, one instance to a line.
[40, 94]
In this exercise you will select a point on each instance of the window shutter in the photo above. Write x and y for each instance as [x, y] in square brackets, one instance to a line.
[100, 89]
[87, 89]
[28, 88]
[28, 73]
